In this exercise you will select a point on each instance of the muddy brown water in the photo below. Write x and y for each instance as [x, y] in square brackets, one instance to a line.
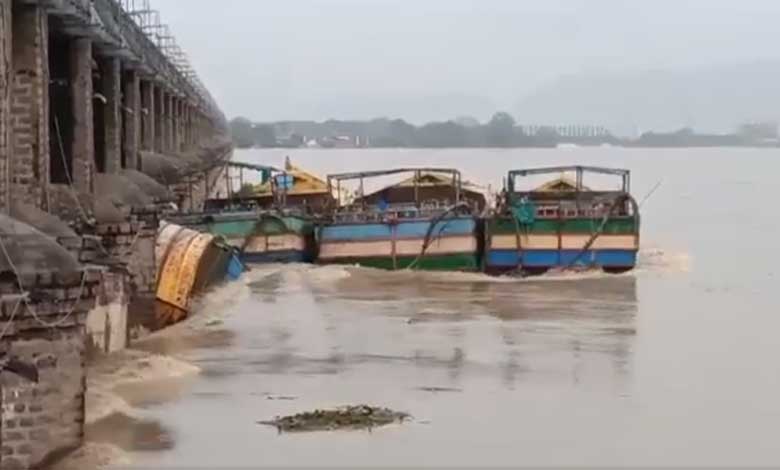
[674, 364]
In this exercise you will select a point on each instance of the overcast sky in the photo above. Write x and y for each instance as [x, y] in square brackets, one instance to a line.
[428, 59]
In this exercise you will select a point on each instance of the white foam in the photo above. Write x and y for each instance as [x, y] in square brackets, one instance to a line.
[126, 368]
[95, 455]
[330, 273]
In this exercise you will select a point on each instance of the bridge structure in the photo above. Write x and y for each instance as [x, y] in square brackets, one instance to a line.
[89, 86]
[103, 120]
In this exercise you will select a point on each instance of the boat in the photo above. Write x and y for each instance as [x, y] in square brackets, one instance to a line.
[269, 222]
[428, 221]
[563, 224]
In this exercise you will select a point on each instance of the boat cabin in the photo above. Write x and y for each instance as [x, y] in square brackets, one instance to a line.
[565, 197]
[426, 192]
[291, 188]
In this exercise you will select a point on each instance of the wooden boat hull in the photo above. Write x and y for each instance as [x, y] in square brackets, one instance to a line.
[264, 237]
[453, 244]
[548, 244]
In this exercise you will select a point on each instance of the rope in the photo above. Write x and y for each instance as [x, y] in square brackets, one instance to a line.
[429, 234]
[652, 191]
[135, 240]
[10, 321]
[26, 299]
[255, 230]
[67, 171]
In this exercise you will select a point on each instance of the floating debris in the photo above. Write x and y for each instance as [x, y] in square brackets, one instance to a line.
[281, 398]
[440, 389]
[349, 417]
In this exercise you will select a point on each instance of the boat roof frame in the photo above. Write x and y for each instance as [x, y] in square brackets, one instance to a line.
[580, 170]
[393, 171]
[418, 171]
[252, 166]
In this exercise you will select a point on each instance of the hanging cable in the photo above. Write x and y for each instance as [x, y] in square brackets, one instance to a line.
[603, 226]
[429, 234]
[26, 298]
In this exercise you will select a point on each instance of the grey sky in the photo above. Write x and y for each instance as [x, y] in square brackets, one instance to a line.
[429, 59]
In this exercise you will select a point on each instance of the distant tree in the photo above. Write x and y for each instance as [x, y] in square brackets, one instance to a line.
[442, 134]
[241, 130]
[403, 132]
[758, 131]
[500, 131]
[264, 135]
[467, 121]
[294, 141]
[546, 136]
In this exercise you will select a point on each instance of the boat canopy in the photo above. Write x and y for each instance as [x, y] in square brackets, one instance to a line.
[565, 184]
[423, 177]
[303, 183]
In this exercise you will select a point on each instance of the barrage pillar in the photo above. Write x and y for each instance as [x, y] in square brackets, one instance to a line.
[132, 120]
[83, 146]
[168, 146]
[159, 121]
[182, 126]
[111, 70]
[175, 121]
[188, 127]
[29, 108]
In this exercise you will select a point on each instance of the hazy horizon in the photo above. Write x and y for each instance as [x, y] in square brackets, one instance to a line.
[436, 59]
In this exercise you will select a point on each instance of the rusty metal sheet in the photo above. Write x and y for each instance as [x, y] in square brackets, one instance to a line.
[165, 235]
[189, 270]
[173, 263]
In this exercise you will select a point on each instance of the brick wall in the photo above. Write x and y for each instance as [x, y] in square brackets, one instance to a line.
[5, 70]
[134, 245]
[42, 421]
[29, 104]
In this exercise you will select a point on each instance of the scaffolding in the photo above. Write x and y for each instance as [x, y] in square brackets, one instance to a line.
[159, 33]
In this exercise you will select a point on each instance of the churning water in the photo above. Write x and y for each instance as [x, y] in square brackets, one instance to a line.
[671, 364]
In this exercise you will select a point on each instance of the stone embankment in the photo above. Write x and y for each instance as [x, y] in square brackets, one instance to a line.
[102, 133]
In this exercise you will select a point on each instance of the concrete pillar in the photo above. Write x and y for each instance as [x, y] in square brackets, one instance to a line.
[5, 96]
[175, 121]
[148, 119]
[168, 139]
[111, 73]
[162, 123]
[83, 150]
[185, 144]
[199, 129]
[188, 126]
[29, 111]
[182, 125]
[159, 121]
[132, 120]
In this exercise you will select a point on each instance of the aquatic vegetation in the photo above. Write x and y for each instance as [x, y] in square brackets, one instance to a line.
[348, 417]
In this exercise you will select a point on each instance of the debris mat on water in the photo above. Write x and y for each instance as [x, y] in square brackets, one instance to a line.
[348, 417]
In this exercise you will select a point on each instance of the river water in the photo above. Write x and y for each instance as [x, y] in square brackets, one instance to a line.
[673, 364]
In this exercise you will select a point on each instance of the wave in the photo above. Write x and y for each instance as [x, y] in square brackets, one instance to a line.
[660, 260]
